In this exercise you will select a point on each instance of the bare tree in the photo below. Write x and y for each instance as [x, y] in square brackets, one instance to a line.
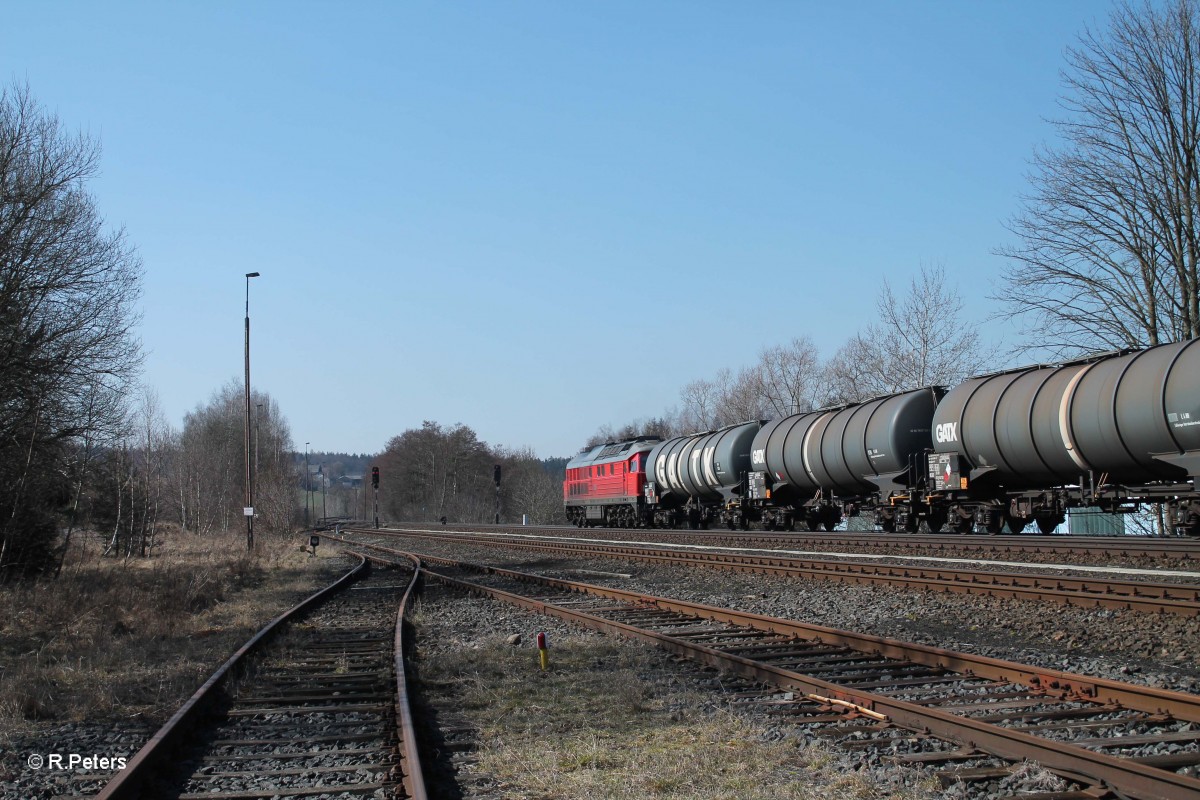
[68, 291]
[1110, 249]
[699, 410]
[431, 472]
[785, 379]
[211, 469]
[531, 490]
[789, 377]
[739, 396]
[726, 399]
[920, 339]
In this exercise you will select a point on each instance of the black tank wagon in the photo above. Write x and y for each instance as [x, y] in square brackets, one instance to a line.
[1113, 432]
[817, 466]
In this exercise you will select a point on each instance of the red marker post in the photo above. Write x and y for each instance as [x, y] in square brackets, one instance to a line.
[543, 651]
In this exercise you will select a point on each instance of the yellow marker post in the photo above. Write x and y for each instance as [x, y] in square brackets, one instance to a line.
[543, 651]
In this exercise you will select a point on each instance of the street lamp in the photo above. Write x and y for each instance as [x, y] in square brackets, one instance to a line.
[307, 485]
[249, 509]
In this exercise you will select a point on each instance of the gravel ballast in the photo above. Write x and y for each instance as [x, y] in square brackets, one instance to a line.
[1154, 650]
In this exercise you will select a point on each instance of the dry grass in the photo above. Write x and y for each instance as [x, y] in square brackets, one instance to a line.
[112, 638]
[608, 721]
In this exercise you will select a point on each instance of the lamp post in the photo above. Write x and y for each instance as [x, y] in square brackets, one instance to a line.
[249, 509]
[307, 485]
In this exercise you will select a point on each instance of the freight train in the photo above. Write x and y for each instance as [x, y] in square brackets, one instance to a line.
[1005, 450]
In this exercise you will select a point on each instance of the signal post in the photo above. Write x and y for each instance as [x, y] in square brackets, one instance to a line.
[496, 478]
[375, 486]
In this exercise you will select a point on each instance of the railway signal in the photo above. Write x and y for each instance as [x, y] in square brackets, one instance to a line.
[375, 486]
[496, 478]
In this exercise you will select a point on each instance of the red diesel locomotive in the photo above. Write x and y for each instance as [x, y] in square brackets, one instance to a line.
[606, 485]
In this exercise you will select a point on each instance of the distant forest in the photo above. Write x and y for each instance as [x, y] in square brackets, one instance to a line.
[432, 472]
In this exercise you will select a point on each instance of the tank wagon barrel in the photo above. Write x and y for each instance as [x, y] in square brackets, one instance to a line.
[819, 460]
[1114, 429]
[699, 479]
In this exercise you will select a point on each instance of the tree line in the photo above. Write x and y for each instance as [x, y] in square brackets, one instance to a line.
[435, 472]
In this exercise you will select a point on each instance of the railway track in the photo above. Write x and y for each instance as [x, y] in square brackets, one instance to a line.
[314, 705]
[1088, 592]
[976, 719]
[1138, 547]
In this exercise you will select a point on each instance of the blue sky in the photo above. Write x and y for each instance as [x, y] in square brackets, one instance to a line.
[537, 218]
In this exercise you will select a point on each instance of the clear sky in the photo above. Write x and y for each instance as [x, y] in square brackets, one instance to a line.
[536, 218]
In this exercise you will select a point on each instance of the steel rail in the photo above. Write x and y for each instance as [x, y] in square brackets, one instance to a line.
[1054, 544]
[1124, 775]
[128, 782]
[1145, 596]
[412, 778]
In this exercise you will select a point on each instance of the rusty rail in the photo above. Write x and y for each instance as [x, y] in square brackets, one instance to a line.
[153, 758]
[128, 782]
[412, 778]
